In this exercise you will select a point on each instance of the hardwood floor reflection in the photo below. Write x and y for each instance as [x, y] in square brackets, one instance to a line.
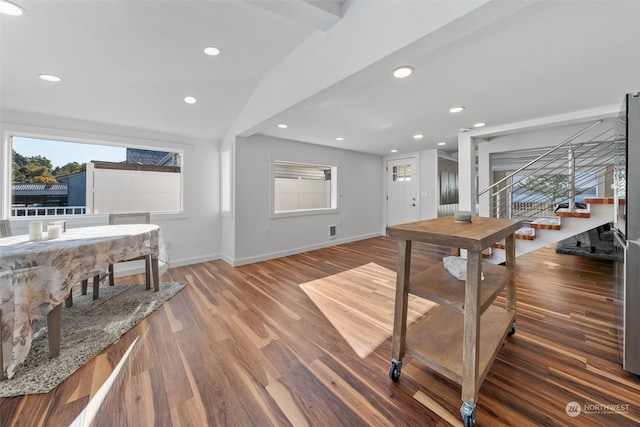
[246, 346]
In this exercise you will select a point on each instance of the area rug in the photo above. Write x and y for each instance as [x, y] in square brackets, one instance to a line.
[580, 245]
[360, 305]
[87, 328]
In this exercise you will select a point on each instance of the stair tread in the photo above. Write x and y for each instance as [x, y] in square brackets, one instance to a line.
[526, 233]
[599, 200]
[577, 213]
[547, 223]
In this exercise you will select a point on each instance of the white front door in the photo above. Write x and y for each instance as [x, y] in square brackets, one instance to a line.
[402, 191]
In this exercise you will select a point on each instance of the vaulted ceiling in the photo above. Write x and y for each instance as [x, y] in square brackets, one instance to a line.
[321, 67]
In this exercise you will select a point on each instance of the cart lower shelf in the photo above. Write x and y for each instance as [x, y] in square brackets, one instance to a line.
[436, 340]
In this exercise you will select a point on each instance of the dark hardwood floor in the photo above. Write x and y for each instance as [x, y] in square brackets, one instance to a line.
[245, 346]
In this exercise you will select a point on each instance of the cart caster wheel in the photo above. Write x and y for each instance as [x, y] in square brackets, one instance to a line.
[512, 331]
[394, 370]
[468, 422]
[468, 413]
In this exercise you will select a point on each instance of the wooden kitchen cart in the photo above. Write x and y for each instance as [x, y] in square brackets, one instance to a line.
[461, 337]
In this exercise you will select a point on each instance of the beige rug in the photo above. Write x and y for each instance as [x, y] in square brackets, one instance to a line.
[360, 302]
[87, 328]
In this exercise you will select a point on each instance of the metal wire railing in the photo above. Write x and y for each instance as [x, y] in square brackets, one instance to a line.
[561, 176]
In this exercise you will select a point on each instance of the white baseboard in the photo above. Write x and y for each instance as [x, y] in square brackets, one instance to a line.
[131, 268]
[137, 267]
[273, 255]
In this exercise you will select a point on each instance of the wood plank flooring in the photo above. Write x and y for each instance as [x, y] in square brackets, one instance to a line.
[246, 346]
[360, 303]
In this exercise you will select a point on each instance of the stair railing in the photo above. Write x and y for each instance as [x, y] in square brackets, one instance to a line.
[597, 156]
[557, 147]
[581, 160]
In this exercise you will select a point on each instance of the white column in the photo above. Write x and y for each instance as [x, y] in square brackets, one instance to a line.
[467, 173]
[485, 177]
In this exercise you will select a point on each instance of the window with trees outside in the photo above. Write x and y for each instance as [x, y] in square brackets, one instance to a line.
[301, 188]
[51, 177]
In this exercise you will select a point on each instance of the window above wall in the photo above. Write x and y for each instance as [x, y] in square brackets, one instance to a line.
[303, 189]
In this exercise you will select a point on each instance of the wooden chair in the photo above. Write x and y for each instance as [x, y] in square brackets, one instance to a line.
[132, 218]
[5, 228]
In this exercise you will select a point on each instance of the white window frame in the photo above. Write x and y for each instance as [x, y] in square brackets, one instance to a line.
[304, 212]
[27, 131]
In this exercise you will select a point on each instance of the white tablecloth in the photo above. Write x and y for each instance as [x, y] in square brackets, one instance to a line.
[35, 277]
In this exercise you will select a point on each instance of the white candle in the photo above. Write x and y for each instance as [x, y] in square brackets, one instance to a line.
[35, 230]
[62, 224]
[54, 231]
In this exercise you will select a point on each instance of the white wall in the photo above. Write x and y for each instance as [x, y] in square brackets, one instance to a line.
[428, 184]
[194, 235]
[360, 184]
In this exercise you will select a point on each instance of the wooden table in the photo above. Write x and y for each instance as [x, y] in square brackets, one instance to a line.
[461, 338]
[37, 276]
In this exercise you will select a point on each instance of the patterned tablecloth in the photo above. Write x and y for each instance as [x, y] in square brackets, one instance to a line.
[36, 276]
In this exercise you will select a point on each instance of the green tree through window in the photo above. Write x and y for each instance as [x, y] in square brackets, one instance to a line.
[40, 169]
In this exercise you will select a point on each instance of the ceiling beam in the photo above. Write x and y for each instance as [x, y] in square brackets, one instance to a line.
[321, 15]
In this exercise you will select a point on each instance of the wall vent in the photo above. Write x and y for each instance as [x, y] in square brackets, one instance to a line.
[332, 231]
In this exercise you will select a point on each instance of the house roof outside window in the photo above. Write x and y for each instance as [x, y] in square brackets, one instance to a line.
[38, 188]
[149, 157]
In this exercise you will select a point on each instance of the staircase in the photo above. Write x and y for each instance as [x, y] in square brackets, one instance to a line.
[542, 193]
[544, 231]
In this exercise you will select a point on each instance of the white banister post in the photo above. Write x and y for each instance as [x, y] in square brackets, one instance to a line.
[572, 180]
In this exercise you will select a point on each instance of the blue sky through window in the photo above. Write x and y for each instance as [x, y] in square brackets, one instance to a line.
[60, 153]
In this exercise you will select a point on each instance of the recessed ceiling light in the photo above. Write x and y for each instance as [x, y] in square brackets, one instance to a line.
[402, 72]
[283, 126]
[190, 99]
[456, 109]
[394, 151]
[418, 136]
[479, 125]
[340, 138]
[8, 8]
[212, 51]
[442, 143]
[465, 129]
[49, 77]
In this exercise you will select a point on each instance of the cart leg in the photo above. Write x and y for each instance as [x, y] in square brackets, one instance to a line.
[395, 370]
[468, 413]
[401, 303]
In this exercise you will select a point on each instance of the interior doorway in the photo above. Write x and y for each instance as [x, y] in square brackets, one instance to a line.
[402, 191]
